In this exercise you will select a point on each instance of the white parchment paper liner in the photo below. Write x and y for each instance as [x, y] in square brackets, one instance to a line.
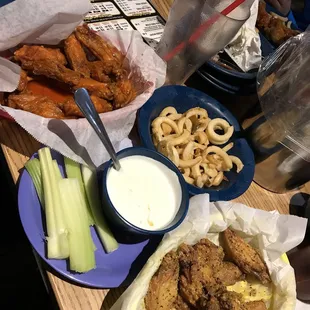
[272, 233]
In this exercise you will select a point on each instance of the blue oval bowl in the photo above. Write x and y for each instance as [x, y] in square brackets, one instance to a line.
[120, 222]
[184, 98]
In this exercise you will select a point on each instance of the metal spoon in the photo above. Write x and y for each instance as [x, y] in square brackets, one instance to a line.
[86, 106]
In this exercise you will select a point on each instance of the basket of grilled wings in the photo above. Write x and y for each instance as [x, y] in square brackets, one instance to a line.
[224, 256]
[117, 68]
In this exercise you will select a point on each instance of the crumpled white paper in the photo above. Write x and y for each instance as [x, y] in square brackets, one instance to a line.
[270, 232]
[40, 22]
[245, 47]
[75, 138]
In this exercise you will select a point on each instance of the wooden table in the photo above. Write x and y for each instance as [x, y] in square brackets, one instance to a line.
[18, 146]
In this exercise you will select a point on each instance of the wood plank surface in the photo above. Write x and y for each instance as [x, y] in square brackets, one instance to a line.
[18, 146]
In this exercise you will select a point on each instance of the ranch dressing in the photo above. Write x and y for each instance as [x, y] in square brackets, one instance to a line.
[145, 192]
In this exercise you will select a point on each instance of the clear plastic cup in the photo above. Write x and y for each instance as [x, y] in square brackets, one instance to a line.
[281, 137]
[196, 30]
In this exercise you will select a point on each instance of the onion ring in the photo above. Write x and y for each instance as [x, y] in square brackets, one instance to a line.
[215, 138]
[235, 160]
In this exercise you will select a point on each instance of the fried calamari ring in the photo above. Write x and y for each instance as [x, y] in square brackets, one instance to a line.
[200, 182]
[181, 139]
[188, 152]
[196, 112]
[168, 110]
[188, 179]
[215, 138]
[171, 113]
[203, 124]
[195, 171]
[200, 137]
[218, 179]
[184, 139]
[156, 125]
[217, 150]
[228, 147]
[235, 160]
[190, 163]
[184, 121]
[186, 171]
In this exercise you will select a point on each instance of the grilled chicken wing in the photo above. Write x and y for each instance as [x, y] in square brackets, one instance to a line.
[71, 109]
[208, 302]
[228, 274]
[102, 49]
[39, 105]
[255, 305]
[209, 253]
[195, 275]
[76, 56]
[245, 257]
[231, 301]
[181, 304]
[163, 288]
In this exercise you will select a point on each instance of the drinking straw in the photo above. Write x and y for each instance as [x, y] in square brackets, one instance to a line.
[202, 28]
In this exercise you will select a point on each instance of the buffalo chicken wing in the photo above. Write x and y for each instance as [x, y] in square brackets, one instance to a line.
[76, 56]
[39, 105]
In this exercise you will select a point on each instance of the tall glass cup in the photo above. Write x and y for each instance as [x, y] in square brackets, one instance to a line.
[196, 30]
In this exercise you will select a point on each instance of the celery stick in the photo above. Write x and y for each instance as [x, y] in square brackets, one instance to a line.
[34, 169]
[73, 171]
[57, 240]
[57, 170]
[91, 187]
[82, 255]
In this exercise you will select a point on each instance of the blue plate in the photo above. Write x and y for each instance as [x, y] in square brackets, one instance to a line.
[183, 99]
[116, 269]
